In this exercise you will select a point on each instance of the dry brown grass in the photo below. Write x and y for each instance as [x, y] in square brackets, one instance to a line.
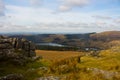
[57, 55]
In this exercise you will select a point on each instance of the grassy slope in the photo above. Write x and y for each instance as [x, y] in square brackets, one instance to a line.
[64, 63]
[108, 35]
[57, 55]
[29, 71]
[109, 60]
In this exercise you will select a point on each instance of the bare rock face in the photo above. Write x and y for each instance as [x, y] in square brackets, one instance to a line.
[8, 46]
[26, 46]
[17, 52]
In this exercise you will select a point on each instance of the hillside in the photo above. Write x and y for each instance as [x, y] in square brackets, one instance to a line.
[96, 40]
[105, 66]
[17, 54]
[106, 36]
[53, 37]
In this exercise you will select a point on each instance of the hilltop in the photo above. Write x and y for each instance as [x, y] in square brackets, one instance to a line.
[106, 36]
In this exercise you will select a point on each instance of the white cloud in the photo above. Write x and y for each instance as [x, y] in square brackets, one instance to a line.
[26, 15]
[2, 8]
[68, 4]
[25, 18]
[76, 2]
[117, 21]
[64, 8]
[36, 2]
[102, 17]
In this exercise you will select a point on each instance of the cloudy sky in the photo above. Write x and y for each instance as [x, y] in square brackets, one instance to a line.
[59, 16]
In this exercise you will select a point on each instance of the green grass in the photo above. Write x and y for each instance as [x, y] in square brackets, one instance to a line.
[68, 65]
[29, 71]
[108, 60]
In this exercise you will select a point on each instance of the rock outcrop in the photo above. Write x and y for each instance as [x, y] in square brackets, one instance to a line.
[17, 52]
[12, 47]
[26, 46]
[6, 49]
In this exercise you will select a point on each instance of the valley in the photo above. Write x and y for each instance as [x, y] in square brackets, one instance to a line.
[99, 60]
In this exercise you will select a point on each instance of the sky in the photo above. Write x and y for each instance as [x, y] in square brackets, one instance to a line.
[59, 16]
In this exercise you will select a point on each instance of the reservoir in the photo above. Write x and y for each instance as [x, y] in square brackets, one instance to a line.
[50, 44]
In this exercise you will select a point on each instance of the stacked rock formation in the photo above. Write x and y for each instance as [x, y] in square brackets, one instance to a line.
[8, 46]
[26, 46]
[17, 52]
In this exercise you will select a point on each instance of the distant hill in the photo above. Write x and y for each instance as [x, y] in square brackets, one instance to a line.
[55, 38]
[106, 36]
[99, 40]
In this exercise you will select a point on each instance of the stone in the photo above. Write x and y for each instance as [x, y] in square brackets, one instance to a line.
[5, 46]
[106, 74]
[16, 51]
[49, 78]
[27, 46]
[9, 46]
[12, 77]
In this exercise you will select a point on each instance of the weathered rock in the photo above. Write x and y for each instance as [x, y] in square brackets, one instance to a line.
[49, 78]
[16, 49]
[27, 46]
[105, 74]
[12, 77]
[6, 48]
[37, 58]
